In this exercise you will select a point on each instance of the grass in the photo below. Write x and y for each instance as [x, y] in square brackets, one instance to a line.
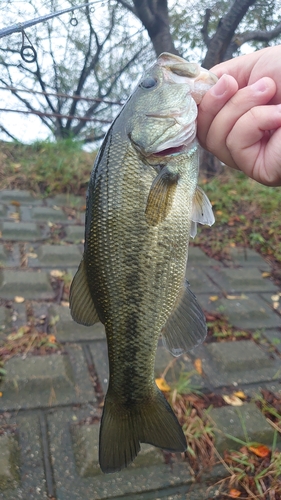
[45, 167]
[247, 214]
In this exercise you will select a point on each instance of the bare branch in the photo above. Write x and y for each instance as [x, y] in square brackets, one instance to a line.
[204, 29]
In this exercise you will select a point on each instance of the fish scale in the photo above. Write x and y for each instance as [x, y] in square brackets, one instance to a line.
[140, 206]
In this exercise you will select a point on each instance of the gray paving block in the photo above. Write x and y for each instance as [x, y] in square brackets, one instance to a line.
[3, 256]
[21, 231]
[66, 200]
[30, 285]
[71, 485]
[241, 355]
[56, 256]
[199, 281]
[274, 337]
[248, 258]
[236, 363]
[10, 195]
[241, 280]
[246, 311]
[67, 330]
[48, 214]
[197, 258]
[75, 234]
[9, 461]
[5, 321]
[2, 210]
[26, 460]
[234, 421]
[49, 380]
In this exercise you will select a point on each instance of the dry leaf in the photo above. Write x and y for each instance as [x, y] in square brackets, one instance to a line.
[198, 366]
[275, 305]
[218, 212]
[52, 339]
[0, 234]
[234, 297]
[19, 299]
[240, 394]
[162, 384]
[56, 273]
[1, 394]
[275, 298]
[232, 400]
[32, 255]
[65, 303]
[14, 215]
[232, 244]
[233, 493]
[265, 274]
[17, 335]
[260, 450]
[213, 298]
[15, 203]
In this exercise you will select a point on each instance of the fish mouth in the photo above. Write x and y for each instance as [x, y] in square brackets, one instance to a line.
[172, 150]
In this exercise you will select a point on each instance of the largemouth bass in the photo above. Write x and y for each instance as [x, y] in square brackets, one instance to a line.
[143, 204]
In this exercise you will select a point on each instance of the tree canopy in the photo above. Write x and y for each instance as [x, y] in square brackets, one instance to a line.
[88, 61]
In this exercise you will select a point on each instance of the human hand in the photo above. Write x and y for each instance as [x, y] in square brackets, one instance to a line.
[239, 118]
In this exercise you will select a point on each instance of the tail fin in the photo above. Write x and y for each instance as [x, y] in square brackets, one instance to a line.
[124, 428]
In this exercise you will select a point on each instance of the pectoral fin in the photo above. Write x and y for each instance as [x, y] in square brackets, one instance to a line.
[186, 326]
[81, 303]
[202, 211]
[160, 197]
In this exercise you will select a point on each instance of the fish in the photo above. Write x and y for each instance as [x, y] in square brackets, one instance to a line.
[143, 204]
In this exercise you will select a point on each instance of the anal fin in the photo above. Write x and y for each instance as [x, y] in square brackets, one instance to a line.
[186, 326]
[81, 304]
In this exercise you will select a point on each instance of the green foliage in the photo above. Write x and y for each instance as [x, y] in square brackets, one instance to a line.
[46, 167]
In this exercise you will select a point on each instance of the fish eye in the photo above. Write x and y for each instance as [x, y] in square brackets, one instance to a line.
[148, 82]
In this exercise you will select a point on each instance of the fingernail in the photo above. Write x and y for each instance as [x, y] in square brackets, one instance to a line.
[260, 85]
[220, 87]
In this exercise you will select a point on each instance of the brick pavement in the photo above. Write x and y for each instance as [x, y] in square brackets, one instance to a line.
[50, 405]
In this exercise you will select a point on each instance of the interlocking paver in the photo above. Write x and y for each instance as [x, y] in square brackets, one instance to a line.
[50, 447]
[244, 422]
[30, 285]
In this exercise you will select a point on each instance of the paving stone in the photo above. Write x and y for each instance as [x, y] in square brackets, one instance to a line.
[197, 258]
[274, 337]
[248, 258]
[66, 200]
[9, 461]
[5, 321]
[199, 281]
[181, 371]
[240, 355]
[67, 330]
[19, 196]
[75, 234]
[241, 280]
[3, 256]
[2, 211]
[26, 457]
[234, 363]
[232, 421]
[245, 311]
[21, 231]
[30, 285]
[135, 479]
[48, 214]
[56, 256]
[45, 381]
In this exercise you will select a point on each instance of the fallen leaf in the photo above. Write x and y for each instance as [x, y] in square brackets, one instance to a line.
[65, 303]
[32, 255]
[240, 394]
[234, 297]
[265, 274]
[275, 305]
[15, 203]
[53, 320]
[1, 394]
[162, 384]
[275, 298]
[52, 339]
[232, 244]
[198, 366]
[218, 212]
[56, 273]
[232, 400]
[233, 493]
[19, 299]
[20, 333]
[260, 450]
[14, 215]
[213, 298]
